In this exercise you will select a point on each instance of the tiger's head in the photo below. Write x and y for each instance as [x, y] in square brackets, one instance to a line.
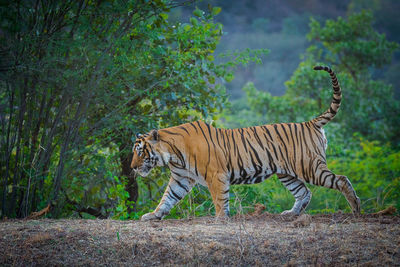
[145, 153]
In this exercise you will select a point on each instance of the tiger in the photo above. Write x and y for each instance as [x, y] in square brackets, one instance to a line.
[198, 153]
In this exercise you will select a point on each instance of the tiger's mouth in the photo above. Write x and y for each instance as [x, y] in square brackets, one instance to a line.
[144, 171]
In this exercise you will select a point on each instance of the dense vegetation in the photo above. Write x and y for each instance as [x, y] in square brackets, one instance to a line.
[78, 79]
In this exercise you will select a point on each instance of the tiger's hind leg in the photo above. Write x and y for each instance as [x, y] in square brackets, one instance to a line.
[326, 178]
[301, 193]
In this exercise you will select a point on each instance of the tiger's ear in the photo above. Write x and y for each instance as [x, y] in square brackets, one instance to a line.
[138, 135]
[154, 135]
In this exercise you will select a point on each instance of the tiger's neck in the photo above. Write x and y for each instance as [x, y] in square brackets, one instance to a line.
[166, 157]
[171, 150]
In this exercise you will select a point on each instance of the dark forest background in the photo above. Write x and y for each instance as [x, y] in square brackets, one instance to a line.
[78, 79]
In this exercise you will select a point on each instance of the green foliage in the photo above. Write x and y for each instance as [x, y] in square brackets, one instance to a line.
[374, 170]
[353, 49]
[353, 44]
[245, 197]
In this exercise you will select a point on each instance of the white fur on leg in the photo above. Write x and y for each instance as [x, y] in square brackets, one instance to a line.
[149, 217]
[299, 205]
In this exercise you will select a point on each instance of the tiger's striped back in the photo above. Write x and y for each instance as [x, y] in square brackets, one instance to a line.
[245, 155]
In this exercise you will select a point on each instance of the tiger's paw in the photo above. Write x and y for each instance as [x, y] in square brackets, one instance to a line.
[149, 217]
[290, 213]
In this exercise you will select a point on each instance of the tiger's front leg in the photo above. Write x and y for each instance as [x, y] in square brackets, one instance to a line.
[177, 188]
[219, 189]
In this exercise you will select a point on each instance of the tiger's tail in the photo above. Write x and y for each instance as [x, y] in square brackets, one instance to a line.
[328, 115]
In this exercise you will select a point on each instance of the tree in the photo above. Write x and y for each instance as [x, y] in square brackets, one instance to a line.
[79, 79]
[353, 49]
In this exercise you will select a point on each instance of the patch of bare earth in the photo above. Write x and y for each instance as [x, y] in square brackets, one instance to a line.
[260, 239]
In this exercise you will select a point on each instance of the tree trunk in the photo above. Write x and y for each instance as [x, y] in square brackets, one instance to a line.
[131, 187]
[7, 148]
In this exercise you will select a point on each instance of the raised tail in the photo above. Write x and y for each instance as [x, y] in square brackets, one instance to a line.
[328, 115]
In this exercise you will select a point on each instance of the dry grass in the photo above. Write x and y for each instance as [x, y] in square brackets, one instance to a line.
[264, 239]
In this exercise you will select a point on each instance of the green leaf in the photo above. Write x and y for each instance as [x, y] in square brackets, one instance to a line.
[194, 21]
[229, 77]
[215, 11]
[164, 16]
[198, 13]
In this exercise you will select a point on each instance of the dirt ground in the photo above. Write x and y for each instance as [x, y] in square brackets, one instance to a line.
[260, 239]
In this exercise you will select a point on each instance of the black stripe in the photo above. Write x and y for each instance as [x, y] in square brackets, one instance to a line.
[302, 153]
[288, 177]
[271, 161]
[229, 153]
[284, 146]
[234, 143]
[297, 189]
[320, 182]
[178, 197]
[284, 130]
[275, 153]
[223, 140]
[292, 182]
[336, 182]
[183, 128]
[208, 145]
[255, 153]
[178, 153]
[294, 145]
[267, 131]
[171, 133]
[172, 196]
[194, 126]
[307, 124]
[336, 101]
[254, 129]
[258, 168]
[195, 165]
[181, 185]
[242, 138]
[209, 133]
[296, 133]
